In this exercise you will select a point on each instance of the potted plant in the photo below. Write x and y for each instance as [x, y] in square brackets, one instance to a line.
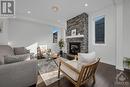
[126, 62]
[61, 45]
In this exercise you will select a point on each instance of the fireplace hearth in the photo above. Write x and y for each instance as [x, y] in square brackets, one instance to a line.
[74, 48]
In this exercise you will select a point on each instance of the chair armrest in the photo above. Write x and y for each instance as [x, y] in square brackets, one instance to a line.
[68, 65]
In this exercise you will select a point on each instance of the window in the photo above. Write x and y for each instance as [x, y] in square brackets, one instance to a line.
[55, 37]
[55, 34]
[100, 30]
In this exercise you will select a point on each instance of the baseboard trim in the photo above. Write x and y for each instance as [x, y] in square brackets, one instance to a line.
[120, 68]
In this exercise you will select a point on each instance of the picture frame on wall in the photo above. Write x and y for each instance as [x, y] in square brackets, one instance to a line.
[73, 32]
[55, 37]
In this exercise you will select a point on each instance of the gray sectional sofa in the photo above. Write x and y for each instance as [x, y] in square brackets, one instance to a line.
[16, 74]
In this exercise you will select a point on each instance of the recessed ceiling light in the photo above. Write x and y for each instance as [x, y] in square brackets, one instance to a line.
[55, 8]
[86, 5]
[29, 12]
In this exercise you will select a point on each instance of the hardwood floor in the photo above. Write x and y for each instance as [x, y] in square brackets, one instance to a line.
[105, 77]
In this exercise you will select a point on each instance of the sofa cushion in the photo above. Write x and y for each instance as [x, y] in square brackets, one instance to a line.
[6, 50]
[16, 58]
[76, 64]
[1, 60]
[87, 57]
[19, 50]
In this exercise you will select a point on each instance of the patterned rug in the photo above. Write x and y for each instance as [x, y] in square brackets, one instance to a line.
[48, 71]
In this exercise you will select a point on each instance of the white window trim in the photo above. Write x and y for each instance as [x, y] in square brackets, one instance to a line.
[93, 32]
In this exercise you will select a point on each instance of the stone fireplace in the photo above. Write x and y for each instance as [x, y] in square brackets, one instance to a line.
[74, 48]
[80, 40]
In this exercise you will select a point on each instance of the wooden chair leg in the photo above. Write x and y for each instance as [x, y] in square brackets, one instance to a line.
[33, 85]
[58, 73]
[77, 86]
[94, 79]
[59, 70]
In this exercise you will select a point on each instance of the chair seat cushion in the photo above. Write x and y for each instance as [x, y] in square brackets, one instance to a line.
[76, 64]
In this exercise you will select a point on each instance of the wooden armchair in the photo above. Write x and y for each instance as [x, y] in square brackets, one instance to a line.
[77, 72]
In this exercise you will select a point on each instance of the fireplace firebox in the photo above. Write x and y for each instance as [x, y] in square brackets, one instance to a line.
[74, 48]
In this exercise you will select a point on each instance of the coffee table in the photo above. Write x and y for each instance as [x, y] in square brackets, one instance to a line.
[50, 59]
[48, 70]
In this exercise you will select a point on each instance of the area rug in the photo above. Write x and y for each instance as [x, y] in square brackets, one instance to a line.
[48, 71]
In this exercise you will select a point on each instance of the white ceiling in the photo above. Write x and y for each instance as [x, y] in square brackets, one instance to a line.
[41, 9]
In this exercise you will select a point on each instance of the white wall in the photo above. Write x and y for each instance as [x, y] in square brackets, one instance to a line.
[107, 51]
[3, 33]
[26, 33]
[119, 34]
[126, 28]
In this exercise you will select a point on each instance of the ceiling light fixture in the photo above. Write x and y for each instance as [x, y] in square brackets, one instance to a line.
[29, 12]
[55, 8]
[86, 5]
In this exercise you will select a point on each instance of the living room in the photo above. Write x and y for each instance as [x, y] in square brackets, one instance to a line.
[62, 30]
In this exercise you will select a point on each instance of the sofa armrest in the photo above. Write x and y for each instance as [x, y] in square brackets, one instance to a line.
[20, 74]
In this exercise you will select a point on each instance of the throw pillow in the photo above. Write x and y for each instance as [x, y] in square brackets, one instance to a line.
[87, 57]
[20, 50]
[16, 58]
